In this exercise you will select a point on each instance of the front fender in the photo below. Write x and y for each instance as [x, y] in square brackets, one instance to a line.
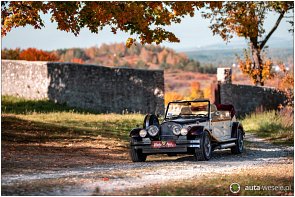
[150, 119]
[235, 127]
[196, 130]
[134, 132]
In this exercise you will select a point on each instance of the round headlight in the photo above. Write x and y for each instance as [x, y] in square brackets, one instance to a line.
[176, 129]
[153, 130]
[184, 131]
[142, 133]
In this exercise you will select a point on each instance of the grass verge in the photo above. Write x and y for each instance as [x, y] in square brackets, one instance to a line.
[17, 105]
[46, 114]
[65, 125]
[275, 127]
[41, 135]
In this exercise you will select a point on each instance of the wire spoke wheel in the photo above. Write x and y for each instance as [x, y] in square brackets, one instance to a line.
[239, 147]
[207, 146]
[241, 142]
[205, 151]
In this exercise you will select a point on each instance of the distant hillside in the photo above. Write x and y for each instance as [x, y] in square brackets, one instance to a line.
[137, 56]
[221, 54]
[227, 57]
[115, 55]
[273, 43]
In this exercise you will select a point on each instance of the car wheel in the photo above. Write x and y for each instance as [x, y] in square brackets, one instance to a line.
[204, 153]
[239, 147]
[136, 154]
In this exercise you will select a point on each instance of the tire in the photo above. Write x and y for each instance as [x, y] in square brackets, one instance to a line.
[239, 147]
[136, 154]
[204, 153]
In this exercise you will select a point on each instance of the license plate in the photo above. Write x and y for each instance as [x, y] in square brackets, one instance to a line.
[163, 144]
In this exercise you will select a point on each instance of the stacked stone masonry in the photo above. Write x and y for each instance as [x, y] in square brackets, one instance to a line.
[247, 98]
[97, 88]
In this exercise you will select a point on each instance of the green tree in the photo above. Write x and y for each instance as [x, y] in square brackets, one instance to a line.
[11, 54]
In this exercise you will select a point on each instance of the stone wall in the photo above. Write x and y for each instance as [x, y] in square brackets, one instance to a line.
[247, 98]
[97, 88]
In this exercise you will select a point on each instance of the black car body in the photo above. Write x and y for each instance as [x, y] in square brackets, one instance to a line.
[191, 127]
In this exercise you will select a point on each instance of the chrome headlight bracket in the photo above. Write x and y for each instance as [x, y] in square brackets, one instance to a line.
[153, 130]
[142, 133]
[176, 129]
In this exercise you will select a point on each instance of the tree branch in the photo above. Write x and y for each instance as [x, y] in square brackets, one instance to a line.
[263, 42]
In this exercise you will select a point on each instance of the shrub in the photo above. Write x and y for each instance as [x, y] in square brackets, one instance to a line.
[32, 54]
[172, 96]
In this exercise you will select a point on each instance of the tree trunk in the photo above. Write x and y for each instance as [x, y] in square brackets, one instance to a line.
[257, 61]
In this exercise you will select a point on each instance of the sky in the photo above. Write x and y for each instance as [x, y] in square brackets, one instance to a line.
[193, 33]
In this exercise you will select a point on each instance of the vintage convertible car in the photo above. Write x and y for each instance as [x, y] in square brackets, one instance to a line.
[191, 127]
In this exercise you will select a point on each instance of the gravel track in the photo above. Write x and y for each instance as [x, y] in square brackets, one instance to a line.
[108, 179]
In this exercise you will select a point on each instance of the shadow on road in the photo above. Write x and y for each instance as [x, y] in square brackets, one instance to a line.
[255, 149]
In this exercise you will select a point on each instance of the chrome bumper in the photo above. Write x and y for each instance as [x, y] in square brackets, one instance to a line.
[181, 146]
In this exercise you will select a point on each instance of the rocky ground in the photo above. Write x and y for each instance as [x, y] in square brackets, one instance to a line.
[117, 176]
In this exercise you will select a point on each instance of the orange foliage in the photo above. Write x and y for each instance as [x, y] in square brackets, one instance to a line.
[287, 81]
[172, 96]
[195, 85]
[247, 67]
[77, 60]
[195, 92]
[32, 54]
[246, 19]
[145, 19]
[208, 92]
[286, 84]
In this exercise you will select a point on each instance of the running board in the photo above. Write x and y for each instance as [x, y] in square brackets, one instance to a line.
[228, 140]
[227, 145]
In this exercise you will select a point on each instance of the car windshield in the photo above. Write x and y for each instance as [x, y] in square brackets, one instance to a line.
[187, 109]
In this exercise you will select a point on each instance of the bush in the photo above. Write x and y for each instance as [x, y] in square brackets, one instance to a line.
[172, 96]
[10, 54]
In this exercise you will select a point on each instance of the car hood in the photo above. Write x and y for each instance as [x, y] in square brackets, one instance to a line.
[187, 121]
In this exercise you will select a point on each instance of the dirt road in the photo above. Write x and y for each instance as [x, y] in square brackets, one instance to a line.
[112, 179]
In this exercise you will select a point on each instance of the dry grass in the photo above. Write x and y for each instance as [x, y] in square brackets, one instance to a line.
[218, 184]
[276, 127]
[60, 136]
[48, 114]
[31, 145]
